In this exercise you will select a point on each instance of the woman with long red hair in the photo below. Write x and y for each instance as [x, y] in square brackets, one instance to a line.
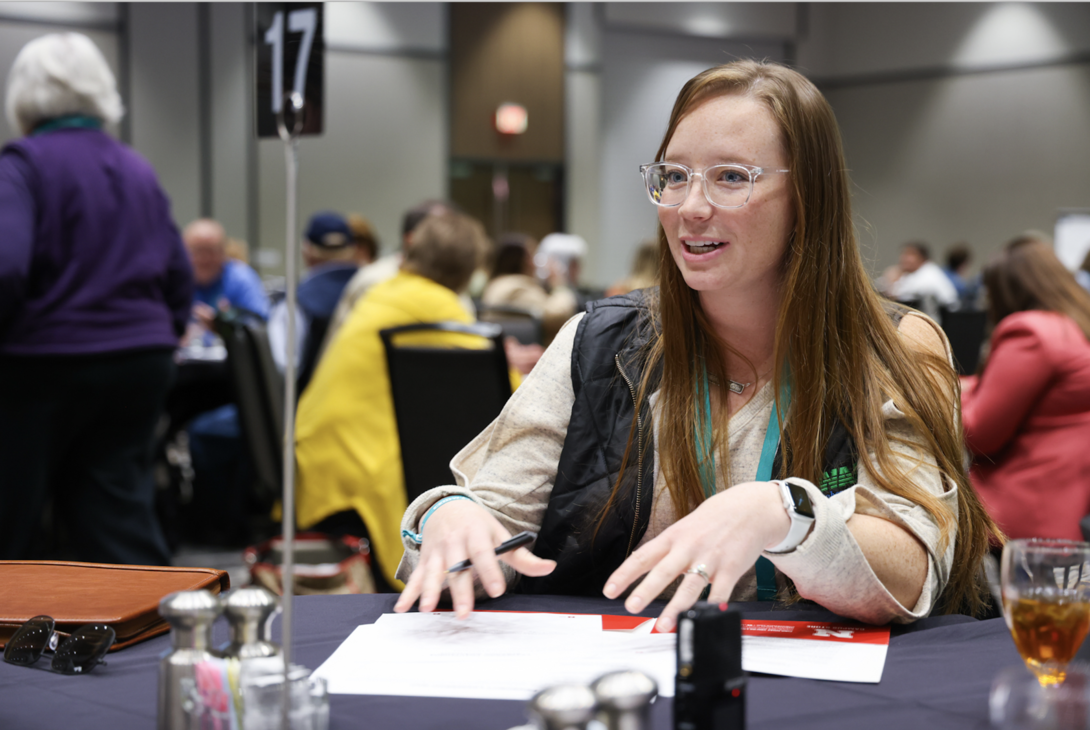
[761, 425]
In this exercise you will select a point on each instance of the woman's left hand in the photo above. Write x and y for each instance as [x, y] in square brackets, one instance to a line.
[724, 536]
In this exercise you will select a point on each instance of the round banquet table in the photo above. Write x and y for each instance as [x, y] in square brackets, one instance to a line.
[938, 673]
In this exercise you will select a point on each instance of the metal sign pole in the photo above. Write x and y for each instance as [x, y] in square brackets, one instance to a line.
[294, 101]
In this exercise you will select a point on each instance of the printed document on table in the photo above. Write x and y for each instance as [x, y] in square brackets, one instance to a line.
[511, 656]
[835, 652]
[447, 627]
[839, 652]
[507, 656]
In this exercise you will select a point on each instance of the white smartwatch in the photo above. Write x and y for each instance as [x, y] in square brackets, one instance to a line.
[796, 500]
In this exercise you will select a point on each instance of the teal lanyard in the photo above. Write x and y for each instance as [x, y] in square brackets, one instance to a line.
[705, 451]
[766, 572]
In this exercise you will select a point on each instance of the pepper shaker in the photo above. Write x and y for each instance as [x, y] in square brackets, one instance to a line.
[190, 615]
[624, 699]
[250, 612]
[563, 707]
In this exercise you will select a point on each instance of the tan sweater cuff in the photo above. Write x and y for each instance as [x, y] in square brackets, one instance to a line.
[410, 523]
[829, 567]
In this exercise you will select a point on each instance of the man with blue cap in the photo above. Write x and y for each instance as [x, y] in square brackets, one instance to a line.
[332, 252]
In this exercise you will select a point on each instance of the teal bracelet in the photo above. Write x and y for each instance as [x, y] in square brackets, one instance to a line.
[418, 537]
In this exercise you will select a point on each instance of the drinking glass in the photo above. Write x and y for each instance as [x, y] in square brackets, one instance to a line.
[1019, 702]
[1046, 602]
[263, 696]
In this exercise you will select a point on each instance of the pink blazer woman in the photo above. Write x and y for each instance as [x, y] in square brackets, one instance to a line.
[1027, 423]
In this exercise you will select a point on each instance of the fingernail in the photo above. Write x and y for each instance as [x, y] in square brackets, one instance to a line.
[633, 604]
[610, 590]
[495, 589]
[664, 625]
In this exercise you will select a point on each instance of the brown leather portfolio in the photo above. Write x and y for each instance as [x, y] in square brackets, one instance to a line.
[125, 597]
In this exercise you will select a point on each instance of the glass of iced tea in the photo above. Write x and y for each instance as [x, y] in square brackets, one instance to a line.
[1046, 602]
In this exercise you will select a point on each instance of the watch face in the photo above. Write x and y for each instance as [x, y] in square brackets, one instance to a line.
[801, 499]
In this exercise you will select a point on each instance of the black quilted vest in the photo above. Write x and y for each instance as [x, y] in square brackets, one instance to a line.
[607, 368]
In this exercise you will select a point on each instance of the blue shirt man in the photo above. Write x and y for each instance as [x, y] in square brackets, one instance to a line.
[215, 439]
[219, 281]
[239, 285]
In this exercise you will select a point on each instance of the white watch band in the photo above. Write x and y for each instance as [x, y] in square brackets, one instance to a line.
[800, 524]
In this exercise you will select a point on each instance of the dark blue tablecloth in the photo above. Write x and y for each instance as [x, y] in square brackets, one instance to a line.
[938, 674]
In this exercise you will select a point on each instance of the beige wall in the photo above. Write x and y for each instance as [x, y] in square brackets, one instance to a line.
[962, 122]
[973, 159]
[164, 99]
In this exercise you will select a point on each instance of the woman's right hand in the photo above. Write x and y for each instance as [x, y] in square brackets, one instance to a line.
[456, 531]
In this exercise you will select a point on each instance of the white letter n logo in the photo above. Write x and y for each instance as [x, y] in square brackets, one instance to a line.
[841, 634]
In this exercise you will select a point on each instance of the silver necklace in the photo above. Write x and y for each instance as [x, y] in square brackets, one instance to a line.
[734, 385]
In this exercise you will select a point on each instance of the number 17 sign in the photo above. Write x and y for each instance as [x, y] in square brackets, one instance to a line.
[290, 53]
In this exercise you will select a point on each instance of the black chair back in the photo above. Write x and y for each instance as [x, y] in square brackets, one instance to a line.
[515, 322]
[965, 330]
[443, 397]
[259, 395]
[312, 349]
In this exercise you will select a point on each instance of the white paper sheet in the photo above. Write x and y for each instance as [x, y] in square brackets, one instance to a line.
[492, 623]
[834, 652]
[486, 658]
[510, 656]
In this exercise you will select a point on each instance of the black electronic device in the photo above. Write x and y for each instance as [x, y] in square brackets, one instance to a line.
[710, 686]
[800, 499]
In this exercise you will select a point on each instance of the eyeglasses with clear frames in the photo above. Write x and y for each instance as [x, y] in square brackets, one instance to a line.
[725, 186]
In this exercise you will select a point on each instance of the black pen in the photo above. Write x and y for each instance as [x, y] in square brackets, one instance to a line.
[523, 538]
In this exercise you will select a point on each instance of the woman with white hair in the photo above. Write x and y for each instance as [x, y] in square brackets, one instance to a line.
[95, 289]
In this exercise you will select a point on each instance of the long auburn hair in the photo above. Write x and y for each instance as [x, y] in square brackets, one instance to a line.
[833, 335]
[1027, 275]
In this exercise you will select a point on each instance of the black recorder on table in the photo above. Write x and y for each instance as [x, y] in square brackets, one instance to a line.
[710, 687]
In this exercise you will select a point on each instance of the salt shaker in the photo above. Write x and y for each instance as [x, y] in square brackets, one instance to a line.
[190, 615]
[563, 707]
[624, 699]
[250, 612]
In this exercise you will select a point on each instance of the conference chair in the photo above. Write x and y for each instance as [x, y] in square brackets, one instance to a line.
[443, 396]
[965, 330]
[259, 395]
[515, 322]
[312, 350]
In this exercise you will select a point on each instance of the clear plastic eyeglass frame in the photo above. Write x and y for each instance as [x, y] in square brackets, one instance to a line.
[752, 172]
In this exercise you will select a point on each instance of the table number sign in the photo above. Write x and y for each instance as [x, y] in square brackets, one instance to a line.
[290, 60]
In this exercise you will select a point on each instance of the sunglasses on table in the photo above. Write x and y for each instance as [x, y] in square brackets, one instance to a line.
[77, 654]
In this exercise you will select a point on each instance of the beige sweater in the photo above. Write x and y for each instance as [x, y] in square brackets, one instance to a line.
[510, 467]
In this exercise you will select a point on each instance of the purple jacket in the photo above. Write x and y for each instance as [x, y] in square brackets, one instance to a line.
[90, 259]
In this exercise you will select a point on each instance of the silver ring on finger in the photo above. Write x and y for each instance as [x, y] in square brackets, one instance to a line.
[701, 570]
